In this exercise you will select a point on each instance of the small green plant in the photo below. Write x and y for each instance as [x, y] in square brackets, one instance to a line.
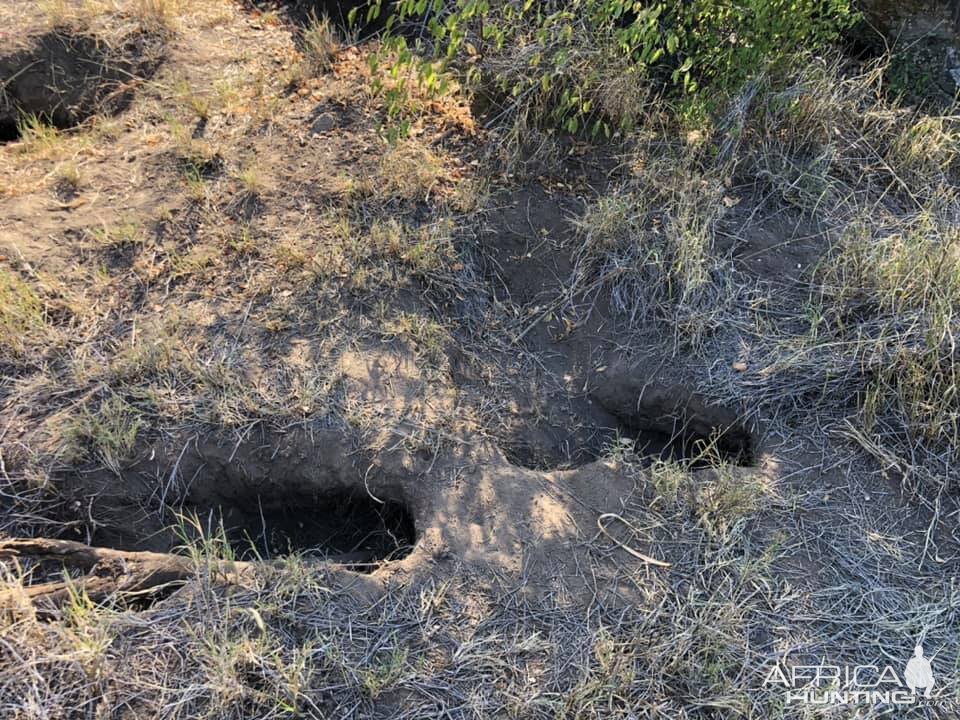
[108, 432]
[242, 242]
[720, 498]
[670, 480]
[68, 176]
[250, 180]
[36, 133]
[21, 312]
[384, 672]
[428, 337]
[123, 234]
[196, 184]
[205, 545]
[199, 104]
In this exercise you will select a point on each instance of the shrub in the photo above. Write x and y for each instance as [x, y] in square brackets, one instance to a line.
[581, 62]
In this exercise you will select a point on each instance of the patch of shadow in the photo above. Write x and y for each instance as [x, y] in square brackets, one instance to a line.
[669, 421]
[245, 206]
[201, 167]
[548, 446]
[341, 526]
[302, 12]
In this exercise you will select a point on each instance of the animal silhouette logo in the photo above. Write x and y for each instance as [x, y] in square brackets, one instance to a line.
[919, 674]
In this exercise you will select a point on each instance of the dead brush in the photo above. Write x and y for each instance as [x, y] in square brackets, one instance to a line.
[408, 172]
[157, 15]
[320, 43]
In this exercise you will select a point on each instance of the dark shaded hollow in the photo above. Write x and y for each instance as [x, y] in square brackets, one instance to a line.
[692, 440]
[668, 439]
[338, 11]
[64, 78]
[657, 422]
[342, 526]
[9, 130]
[345, 526]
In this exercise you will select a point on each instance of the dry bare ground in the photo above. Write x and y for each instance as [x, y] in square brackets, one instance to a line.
[482, 422]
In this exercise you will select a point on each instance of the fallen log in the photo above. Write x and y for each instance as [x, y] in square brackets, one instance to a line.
[106, 572]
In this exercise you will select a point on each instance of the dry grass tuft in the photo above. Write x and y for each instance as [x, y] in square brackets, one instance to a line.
[109, 433]
[881, 321]
[157, 15]
[408, 172]
[871, 345]
[320, 43]
[650, 245]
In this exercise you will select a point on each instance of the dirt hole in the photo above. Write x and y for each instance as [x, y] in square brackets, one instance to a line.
[9, 131]
[671, 422]
[63, 78]
[687, 439]
[671, 439]
[343, 526]
[655, 422]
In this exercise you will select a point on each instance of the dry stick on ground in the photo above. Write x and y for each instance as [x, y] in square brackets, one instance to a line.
[106, 571]
[639, 555]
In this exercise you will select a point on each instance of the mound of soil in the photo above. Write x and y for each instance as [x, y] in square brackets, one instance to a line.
[65, 77]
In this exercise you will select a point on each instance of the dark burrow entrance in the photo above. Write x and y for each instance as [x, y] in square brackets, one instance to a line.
[62, 78]
[660, 424]
[9, 130]
[687, 440]
[342, 526]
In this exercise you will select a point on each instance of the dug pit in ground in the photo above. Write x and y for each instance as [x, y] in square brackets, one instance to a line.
[63, 77]
[313, 495]
[630, 408]
[672, 421]
[263, 501]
